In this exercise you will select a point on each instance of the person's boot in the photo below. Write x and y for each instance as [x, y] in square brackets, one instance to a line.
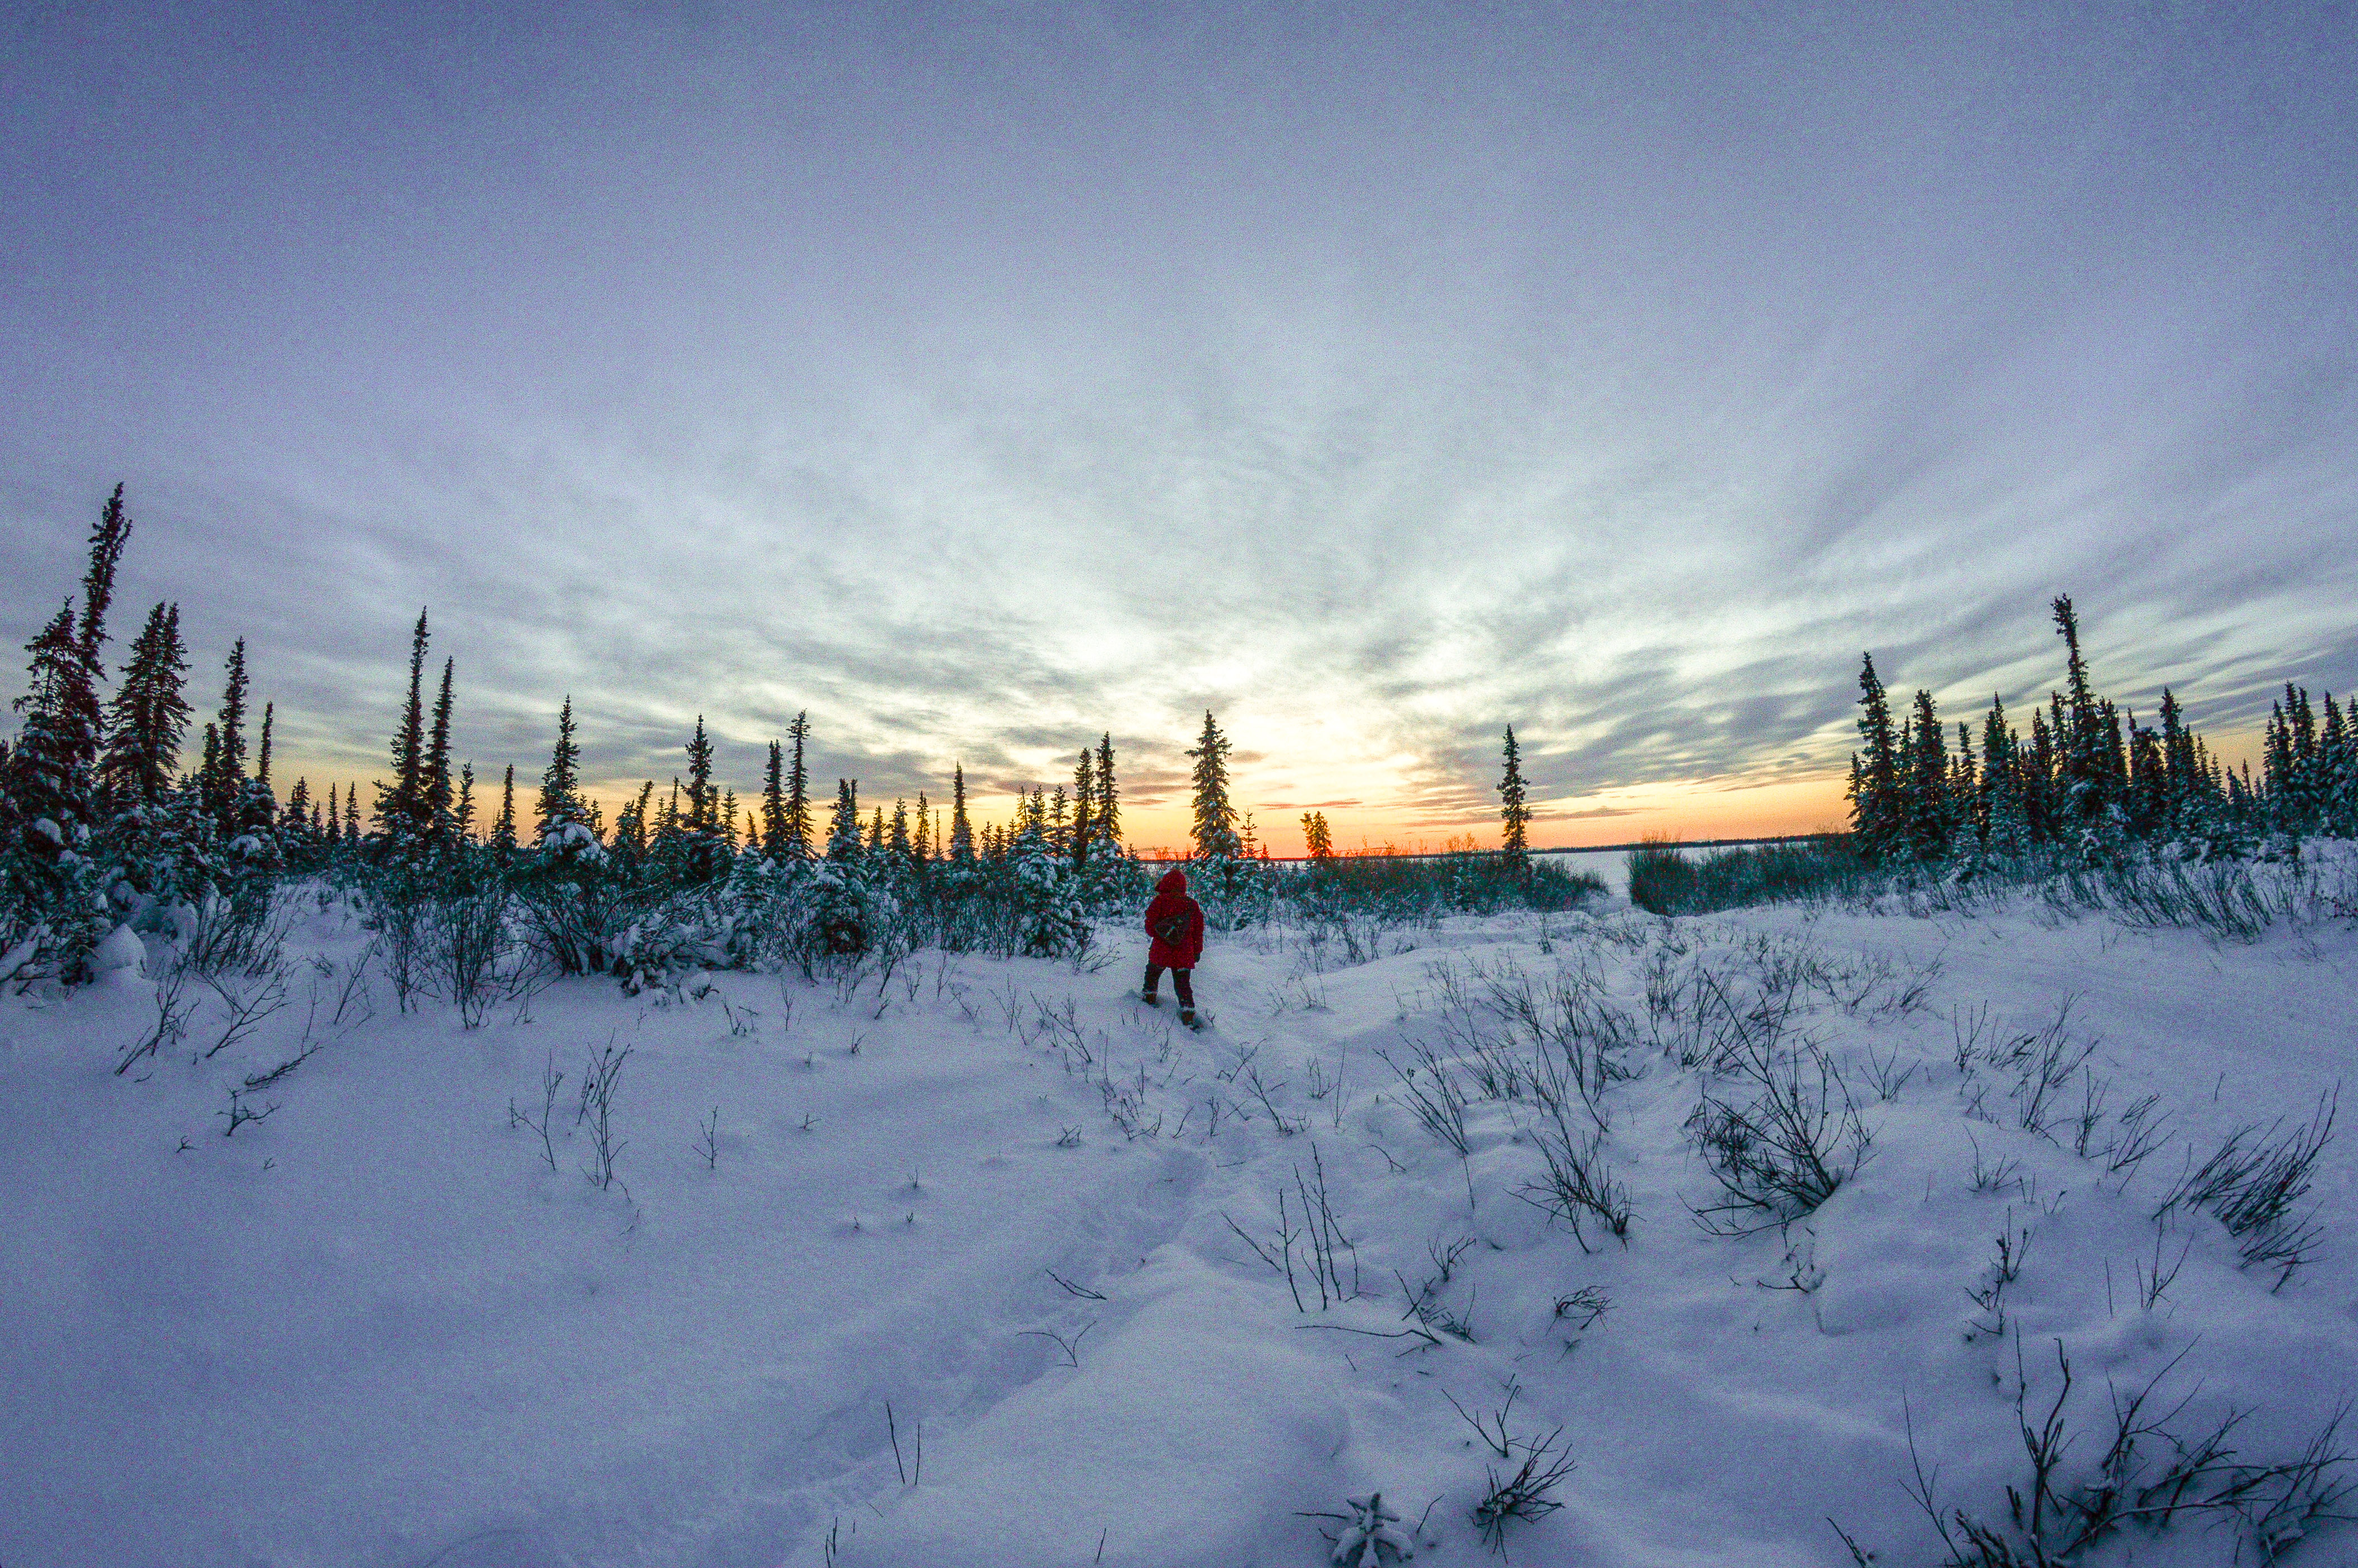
[1149, 998]
[1187, 1016]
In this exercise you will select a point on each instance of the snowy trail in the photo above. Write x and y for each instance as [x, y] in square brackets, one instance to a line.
[376, 1329]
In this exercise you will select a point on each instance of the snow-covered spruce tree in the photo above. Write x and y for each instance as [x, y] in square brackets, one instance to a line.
[49, 784]
[1514, 816]
[147, 717]
[1218, 848]
[1046, 896]
[1214, 817]
[843, 825]
[2004, 822]
[831, 913]
[53, 912]
[562, 826]
[703, 852]
[2339, 750]
[1875, 815]
[2086, 766]
[226, 794]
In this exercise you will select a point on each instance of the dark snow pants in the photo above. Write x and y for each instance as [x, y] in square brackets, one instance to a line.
[1181, 981]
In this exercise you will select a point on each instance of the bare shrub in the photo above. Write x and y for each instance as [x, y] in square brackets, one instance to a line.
[2155, 1470]
[601, 1072]
[2252, 1183]
[1787, 1150]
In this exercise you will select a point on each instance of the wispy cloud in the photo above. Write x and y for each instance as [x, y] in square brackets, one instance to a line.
[984, 386]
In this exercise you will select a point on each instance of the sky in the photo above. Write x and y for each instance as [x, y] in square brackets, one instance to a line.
[984, 378]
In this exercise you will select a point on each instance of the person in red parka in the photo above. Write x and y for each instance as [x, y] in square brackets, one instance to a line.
[1177, 923]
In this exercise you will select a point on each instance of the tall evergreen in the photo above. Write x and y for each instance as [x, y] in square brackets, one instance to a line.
[111, 532]
[774, 805]
[257, 807]
[560, 782]
[843, 829]
[1214, 817]
[703, 807]
[441, 813]
[2089, 741]
[798, 808]
[1875, 819]
[2004, 820]
[1108, 797]
[401, 810]
[48, 780]
[148, 716]
[1928, 823]
[961, 828]
[1084, 791]
[1514, 816]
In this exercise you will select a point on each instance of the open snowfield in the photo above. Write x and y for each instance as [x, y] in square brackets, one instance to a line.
[1050, 1232]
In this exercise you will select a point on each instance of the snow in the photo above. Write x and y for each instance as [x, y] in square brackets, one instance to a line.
[376, 1329]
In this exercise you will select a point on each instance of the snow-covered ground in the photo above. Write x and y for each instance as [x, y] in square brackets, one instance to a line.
[971, 1271]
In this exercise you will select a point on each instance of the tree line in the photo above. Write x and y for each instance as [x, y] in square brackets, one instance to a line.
[2088, 778]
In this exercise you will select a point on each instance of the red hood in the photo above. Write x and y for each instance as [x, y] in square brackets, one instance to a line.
[1173, 880]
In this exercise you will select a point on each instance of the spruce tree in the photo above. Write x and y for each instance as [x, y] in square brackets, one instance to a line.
[1514, 841]
[1108, 798]
[230, 759]
[922, 838]
[560, 786]
[1875, 785]
[774, 805]
[1929, 824]
[2004, 821]
[401, 813]
[798, 806]
[148, 716]
[257, 807]
[961, 829]
[1214, 817]
[441, 816]
[2089, 741]
[107, 538]
[1317, 839]
[503, 832]
[843, 829]
[1084, 806]
[47, 779]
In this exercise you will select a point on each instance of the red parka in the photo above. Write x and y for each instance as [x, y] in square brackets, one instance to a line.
[1171, 899]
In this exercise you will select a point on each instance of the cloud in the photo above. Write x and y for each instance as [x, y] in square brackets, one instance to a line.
[1619, 376]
